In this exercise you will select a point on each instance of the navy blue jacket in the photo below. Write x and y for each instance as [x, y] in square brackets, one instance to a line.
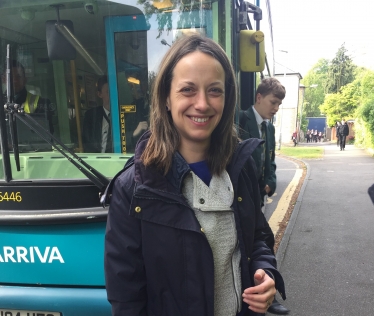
[158, 261]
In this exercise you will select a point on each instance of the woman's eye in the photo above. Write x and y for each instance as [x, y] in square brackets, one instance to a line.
[216, 91]
[186, 89]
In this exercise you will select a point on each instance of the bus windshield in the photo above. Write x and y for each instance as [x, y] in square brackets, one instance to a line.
[84, 71]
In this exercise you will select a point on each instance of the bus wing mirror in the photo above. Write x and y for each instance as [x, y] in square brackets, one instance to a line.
[252, 59]
[58, 46]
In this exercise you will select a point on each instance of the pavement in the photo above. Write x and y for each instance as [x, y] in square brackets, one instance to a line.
[326, 255]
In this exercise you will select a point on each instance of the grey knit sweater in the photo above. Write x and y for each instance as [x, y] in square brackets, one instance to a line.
[212, 206]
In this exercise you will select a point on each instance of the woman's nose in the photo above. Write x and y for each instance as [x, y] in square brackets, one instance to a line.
[201, 101]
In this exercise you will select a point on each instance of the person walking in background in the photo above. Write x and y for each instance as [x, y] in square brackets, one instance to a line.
[308, 136]
[185, 231]
[294, 138]
[255, 123]
[337, 126]
[315, 134]
[320, 136]
[343, 133]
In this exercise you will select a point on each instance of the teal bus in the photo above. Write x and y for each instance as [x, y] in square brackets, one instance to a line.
[52, 224]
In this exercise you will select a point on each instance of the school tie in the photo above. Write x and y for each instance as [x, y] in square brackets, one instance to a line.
[263, 136]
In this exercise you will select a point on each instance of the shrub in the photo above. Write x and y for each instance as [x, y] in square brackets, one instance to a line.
[350, 139]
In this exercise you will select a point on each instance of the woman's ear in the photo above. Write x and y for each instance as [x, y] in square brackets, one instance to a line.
[167, 104]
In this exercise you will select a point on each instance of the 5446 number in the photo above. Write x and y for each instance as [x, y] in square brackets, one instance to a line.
[10, 196]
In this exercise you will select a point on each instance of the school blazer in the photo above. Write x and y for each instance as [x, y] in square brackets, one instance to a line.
[249, 129]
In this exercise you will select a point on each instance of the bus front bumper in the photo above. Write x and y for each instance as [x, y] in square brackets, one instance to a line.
[67, 301]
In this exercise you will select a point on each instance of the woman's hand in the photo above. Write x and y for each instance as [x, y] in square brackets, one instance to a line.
[260, 296]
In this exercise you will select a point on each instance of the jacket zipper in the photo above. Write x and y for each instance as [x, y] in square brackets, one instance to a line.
[238, 301]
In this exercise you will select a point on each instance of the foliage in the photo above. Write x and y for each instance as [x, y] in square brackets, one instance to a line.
[350, 139]
[367, 84]
[302, 152]
[342, 105]
[331, 107]
[304, 124]
[340, 72]
[314, 96]
[164, 20]
[364, 124]
[151, 79]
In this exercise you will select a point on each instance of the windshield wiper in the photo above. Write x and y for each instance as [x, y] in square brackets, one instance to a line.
[16, 111]
[4, 141]
[11, 107]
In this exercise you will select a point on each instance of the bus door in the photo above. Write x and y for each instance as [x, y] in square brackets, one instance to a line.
[126, 44]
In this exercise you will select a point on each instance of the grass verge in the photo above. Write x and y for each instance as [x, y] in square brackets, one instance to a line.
[302, 152]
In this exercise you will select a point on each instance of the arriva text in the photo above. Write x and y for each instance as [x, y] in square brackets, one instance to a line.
[30, 255]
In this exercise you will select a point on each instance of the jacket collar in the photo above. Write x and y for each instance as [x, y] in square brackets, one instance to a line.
[153, 178]
[252, 126]
[173, 181]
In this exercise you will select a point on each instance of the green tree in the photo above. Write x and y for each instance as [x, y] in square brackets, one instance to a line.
[367, 84]
[314, 97]
[343, 104]
[340, 72]
[364, 120]
[331, 107]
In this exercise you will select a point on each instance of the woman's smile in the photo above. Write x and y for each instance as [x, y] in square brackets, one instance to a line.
[199, 119]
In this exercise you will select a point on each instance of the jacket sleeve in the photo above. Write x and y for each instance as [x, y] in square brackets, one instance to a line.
[264, 258]
[262, 255]
[124, 268]
[271, 179]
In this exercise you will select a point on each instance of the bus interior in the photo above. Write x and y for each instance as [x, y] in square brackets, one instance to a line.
[65, 46]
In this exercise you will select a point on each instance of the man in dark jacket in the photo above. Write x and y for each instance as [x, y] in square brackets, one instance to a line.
[97, 133]
[337, 126]
[255, 123]
[343, 131]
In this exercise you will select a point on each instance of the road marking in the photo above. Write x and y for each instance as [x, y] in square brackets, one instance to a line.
[284, 202]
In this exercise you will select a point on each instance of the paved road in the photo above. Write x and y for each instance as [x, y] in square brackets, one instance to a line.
[285, 173]
[327, 254]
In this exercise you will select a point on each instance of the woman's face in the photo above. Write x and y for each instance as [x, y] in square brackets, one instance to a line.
[197, 98]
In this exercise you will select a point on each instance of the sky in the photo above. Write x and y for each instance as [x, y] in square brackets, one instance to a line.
[312, 29]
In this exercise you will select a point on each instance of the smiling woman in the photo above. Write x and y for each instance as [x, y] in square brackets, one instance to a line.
[196, 102]
[178, 220]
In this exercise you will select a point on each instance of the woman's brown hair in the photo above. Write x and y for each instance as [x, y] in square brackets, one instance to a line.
[164, 139]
